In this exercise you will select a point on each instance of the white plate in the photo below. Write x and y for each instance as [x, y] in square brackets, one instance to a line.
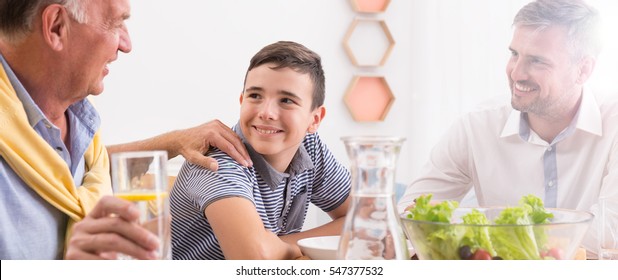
[320, 248]
[325, 247]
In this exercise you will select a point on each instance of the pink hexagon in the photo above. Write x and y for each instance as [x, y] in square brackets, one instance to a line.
[370, 6]
[369, 98]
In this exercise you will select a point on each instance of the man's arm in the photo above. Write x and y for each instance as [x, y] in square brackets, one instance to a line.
[447, 174]
[241, 233]
[192, 144]
[333, 227]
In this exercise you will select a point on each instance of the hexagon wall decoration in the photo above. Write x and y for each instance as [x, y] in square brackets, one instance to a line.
[370, 6]
[368, 42]
[368, 98]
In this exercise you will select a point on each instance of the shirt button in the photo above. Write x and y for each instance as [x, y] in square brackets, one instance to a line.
[549, 149]
[59, 149]
[47, 125]
[551, 183]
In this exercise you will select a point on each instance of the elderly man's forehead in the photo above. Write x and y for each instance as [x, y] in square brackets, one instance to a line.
[111, 9]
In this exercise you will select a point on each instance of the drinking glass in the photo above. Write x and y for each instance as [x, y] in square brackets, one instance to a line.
[141, 177]
[608, 230]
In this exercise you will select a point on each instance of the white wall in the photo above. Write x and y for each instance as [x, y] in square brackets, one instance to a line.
[189, 59]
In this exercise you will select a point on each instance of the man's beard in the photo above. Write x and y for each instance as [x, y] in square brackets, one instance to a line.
[536, 106]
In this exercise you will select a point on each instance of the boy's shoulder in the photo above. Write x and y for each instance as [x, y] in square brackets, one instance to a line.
[226, 164]
[228, 171]
[225, 161]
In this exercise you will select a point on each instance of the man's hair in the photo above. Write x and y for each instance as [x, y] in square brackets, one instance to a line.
[17, 16]
[286, 54]
[581, 20]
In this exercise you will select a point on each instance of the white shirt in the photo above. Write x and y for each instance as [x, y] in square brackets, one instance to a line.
[494, 151]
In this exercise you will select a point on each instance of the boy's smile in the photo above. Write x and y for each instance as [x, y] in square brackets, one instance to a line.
[267, 130]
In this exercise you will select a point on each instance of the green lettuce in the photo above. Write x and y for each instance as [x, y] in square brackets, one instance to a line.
[439, 212]
[521, 243]
[538, 213]
[477, 237]
[440, 242]
[515, 243]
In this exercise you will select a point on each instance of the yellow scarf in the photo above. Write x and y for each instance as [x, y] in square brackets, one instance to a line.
[41, 168]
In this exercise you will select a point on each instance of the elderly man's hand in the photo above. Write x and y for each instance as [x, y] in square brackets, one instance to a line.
[192, 144]
[111, 228]
[196, 141]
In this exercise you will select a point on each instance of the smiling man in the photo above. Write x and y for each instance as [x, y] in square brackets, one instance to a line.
[53, 167]
[258, 212]
[556, 140]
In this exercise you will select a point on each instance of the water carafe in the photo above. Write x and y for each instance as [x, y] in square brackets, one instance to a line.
[372, 228]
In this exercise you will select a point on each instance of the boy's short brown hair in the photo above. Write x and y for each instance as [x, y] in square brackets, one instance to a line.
[297, 57]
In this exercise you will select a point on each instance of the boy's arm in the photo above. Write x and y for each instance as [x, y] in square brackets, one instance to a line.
[333, 227]
[241, 233]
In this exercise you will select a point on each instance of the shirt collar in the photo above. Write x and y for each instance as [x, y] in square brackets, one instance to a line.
[300, 162]
[590, 114]
[512, 125]
[587, 118]
[85, 112]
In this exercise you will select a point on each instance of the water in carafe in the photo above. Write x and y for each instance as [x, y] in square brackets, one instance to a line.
[372, 228]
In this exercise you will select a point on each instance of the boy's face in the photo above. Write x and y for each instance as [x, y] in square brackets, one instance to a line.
[275, 112]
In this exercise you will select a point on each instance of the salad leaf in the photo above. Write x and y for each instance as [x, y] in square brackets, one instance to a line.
[425, 211]
[515, 243]
[539, 216]
[444, 242]
[440, 242]
[538, 213]
[477, 237]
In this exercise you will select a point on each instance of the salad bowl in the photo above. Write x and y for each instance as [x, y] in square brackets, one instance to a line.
[512, 233]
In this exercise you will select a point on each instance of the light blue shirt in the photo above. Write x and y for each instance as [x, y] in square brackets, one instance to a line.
[30, 227]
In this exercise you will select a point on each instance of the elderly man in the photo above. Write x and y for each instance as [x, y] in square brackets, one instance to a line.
[54, 170]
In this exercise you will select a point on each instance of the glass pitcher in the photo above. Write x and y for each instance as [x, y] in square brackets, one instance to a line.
[372, 228]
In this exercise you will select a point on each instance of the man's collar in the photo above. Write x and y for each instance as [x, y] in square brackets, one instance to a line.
[512, 125]
[587, 118]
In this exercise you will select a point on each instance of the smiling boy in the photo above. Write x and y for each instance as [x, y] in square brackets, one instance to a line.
[258, 212]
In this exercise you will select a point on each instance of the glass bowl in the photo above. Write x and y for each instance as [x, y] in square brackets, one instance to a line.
[558, 239]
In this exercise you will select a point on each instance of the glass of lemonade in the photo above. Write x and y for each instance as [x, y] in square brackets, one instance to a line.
[141, 177]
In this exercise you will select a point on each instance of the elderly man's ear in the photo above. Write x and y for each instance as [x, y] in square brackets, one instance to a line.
[55, 26]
